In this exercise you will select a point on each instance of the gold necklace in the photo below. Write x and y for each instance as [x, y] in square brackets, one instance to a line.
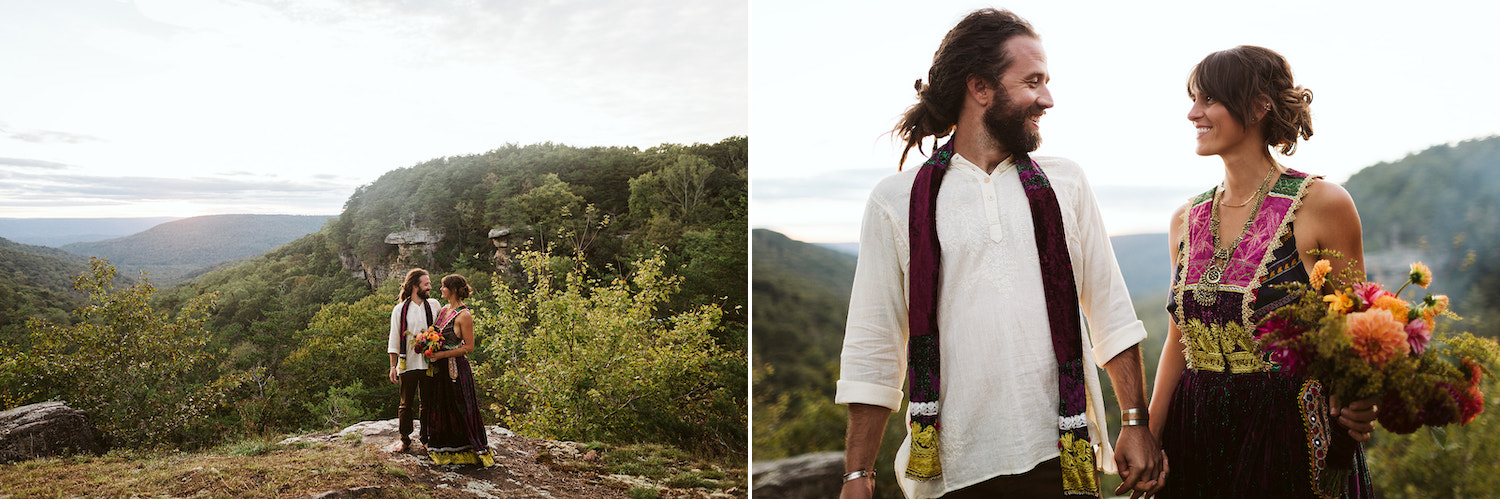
[1263, 184]
[1207, 292]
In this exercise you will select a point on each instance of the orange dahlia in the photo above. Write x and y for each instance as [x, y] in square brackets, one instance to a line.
[1377, 337]
[1420, 274]
[1398, 307]
[1320, 271]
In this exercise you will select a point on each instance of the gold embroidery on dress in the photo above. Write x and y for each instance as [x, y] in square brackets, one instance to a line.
[1220, 348]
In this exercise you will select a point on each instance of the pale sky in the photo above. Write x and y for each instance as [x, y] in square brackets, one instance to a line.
[192, 107]
[829, 80]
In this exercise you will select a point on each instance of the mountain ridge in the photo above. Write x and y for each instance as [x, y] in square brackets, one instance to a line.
[174, 250]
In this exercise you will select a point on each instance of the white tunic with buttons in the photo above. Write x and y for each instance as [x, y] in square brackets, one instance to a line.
[999, 394]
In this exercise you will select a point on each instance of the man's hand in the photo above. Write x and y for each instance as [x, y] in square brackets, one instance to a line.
[1138, 456]
[1358, 417]
[1149, 488]
[395, 376]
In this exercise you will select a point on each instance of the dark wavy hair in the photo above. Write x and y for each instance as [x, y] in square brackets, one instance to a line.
[973, 47]
[1237, 76]
[459, 286]
[409, 286]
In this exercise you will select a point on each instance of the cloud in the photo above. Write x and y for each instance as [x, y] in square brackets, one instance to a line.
[47, 137]
[51, 190]
[32, 163]
[674, 70]
[843, 185]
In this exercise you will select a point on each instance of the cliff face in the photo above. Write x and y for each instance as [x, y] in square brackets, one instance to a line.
[415, 248]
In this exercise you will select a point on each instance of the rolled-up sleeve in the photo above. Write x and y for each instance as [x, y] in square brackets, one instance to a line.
[873, 363]
[393, 342]
[1113, 326]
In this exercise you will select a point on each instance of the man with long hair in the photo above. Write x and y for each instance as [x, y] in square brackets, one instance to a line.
[413, 314]
[1001, 262]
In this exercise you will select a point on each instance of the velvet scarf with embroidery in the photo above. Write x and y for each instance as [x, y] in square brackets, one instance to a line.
[923, 355]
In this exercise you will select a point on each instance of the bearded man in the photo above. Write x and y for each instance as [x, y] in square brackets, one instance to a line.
[998, 252]
[408, 368]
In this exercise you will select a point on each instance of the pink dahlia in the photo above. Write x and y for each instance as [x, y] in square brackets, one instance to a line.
[1292, 361]
[1377, 337]
[1418, 333]
[1368, 292]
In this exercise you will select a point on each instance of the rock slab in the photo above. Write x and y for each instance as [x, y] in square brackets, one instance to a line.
[44, 430]
[806, 476]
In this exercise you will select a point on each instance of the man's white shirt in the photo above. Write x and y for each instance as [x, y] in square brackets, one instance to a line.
[999, 394]
[416, 320]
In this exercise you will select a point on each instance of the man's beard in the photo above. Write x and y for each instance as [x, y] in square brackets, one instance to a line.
[422, 293]
[1007, 125]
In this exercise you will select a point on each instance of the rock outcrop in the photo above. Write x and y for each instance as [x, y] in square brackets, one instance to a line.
[805, 476]
[44, 430]
[414, 248]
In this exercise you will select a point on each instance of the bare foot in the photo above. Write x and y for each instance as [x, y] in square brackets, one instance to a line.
[396, 447]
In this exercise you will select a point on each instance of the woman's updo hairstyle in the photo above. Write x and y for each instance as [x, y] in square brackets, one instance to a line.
[1236, 77]
[459, 286]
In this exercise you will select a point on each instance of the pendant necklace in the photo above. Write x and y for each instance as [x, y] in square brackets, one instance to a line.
[1207, 292]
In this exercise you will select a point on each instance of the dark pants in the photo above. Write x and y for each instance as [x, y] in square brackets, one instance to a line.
[1045, 480]
[412, 382]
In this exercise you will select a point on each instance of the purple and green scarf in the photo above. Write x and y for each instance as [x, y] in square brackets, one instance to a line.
[924, 358]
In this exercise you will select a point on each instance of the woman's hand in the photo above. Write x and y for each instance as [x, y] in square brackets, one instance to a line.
[1358, 417]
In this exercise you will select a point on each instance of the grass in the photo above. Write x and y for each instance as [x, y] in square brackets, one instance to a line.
[643, 493]
[250, 468]
[669, 466]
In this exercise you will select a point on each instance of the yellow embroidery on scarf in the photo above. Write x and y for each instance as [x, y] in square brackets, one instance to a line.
[923, 463]
[1222, 347]
[1078, 466]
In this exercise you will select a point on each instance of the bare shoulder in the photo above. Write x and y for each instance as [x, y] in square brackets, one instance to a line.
[1174, 231]
[1174, 225]
[1328, 203]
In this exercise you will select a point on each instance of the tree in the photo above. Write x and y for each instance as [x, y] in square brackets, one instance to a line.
[680, 191]
[144, 377]
[591, 360]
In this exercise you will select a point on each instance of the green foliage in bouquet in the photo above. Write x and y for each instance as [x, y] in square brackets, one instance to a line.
[589, 360]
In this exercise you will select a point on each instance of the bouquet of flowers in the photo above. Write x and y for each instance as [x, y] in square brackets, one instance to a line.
[428, 341]
[1363, 342]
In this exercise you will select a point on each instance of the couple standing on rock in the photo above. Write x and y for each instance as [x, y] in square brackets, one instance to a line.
[452, 430]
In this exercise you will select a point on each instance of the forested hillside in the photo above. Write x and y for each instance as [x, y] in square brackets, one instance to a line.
[1442, 206]
[36, 281]
[175, 250]
[615, 310]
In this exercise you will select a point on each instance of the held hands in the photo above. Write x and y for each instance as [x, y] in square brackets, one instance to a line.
[1142, 464]
[1358, 416]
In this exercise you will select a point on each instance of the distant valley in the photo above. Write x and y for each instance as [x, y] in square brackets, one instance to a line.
[56, 232]
[176, 250]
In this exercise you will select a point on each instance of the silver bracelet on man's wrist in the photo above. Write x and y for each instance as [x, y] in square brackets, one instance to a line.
[858, 474]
